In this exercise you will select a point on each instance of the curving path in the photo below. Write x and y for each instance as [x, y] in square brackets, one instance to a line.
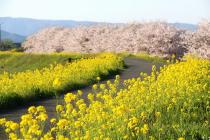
[135, 66]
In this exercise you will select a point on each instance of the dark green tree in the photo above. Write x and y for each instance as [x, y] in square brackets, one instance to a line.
[7, 45]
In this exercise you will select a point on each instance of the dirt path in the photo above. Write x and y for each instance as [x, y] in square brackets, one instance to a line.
[135, 66]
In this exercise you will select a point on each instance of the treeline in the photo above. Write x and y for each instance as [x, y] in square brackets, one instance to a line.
[157, 38]
[8, 45]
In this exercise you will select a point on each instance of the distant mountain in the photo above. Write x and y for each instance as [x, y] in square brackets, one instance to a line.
[27, 26]
[185, 26]
[23, 27]
[14, 37]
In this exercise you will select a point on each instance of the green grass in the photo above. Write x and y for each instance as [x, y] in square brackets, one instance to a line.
[18, 62]
[145, 56]
[14, 62]
[149, 57]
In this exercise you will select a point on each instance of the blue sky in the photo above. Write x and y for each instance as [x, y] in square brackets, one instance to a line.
[189, 11]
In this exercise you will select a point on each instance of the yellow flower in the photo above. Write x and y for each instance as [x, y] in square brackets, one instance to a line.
[32, 109]
[79, 92]
[98, 78]
[56, 83]
[125, 137]
[74, 112]
[53, 129]
[117, 77]
[87, 135]
[145, 129]
[143, 115]
[102, 86]
[26, 117]
[69, 97]
[41, 109]
[124, 111]
[69, 108]
[13, 136]
[53, 120]
[90, 96]
[59, 108]
[42, 117]
[157, 114]
[82, 107]
[95, 86]
[61, 137]
[2, 121]
[14, 126]
[47, 136]
[77, 124]
[62, 123]
[132, 122]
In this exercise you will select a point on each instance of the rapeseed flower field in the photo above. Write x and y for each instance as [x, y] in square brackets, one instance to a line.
[173, 103]
[19, 87]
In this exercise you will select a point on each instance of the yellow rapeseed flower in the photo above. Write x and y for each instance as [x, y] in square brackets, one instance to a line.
[145, 129]
[69, 97]
[181, 138]
[59, 108]
[98, 78]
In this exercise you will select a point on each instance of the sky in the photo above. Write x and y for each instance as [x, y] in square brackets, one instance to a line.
[187, 11]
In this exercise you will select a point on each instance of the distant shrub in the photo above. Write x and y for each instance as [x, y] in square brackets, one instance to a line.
[7, 45]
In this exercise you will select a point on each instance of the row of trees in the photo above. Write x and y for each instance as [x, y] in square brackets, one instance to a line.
[158, 38]
[7, 45]
[198, 42]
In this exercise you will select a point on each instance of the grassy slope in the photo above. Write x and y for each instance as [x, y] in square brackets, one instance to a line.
[18, 62]
[145, 56]
[33, 85]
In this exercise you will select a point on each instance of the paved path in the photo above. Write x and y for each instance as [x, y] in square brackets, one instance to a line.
[135, 66]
